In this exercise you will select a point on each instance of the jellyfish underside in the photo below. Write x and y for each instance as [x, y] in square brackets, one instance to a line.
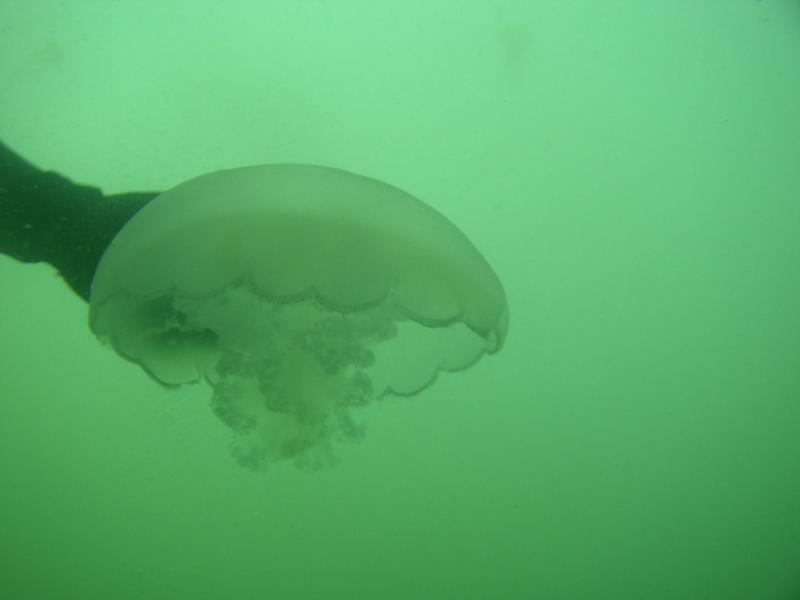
[286, 376]
[292, 342]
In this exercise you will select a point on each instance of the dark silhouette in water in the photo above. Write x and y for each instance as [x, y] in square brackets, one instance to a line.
[45, 217]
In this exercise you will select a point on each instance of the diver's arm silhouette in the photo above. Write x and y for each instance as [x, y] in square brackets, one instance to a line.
[45, 217]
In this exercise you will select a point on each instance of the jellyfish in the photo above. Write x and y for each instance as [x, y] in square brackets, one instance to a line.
[299, 293]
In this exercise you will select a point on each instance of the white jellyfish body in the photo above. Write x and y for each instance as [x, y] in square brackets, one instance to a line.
[299, 293]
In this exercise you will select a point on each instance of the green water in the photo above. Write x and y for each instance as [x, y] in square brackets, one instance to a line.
[631, 170]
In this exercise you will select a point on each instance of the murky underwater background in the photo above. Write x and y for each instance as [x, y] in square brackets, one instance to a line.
[632, 172]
